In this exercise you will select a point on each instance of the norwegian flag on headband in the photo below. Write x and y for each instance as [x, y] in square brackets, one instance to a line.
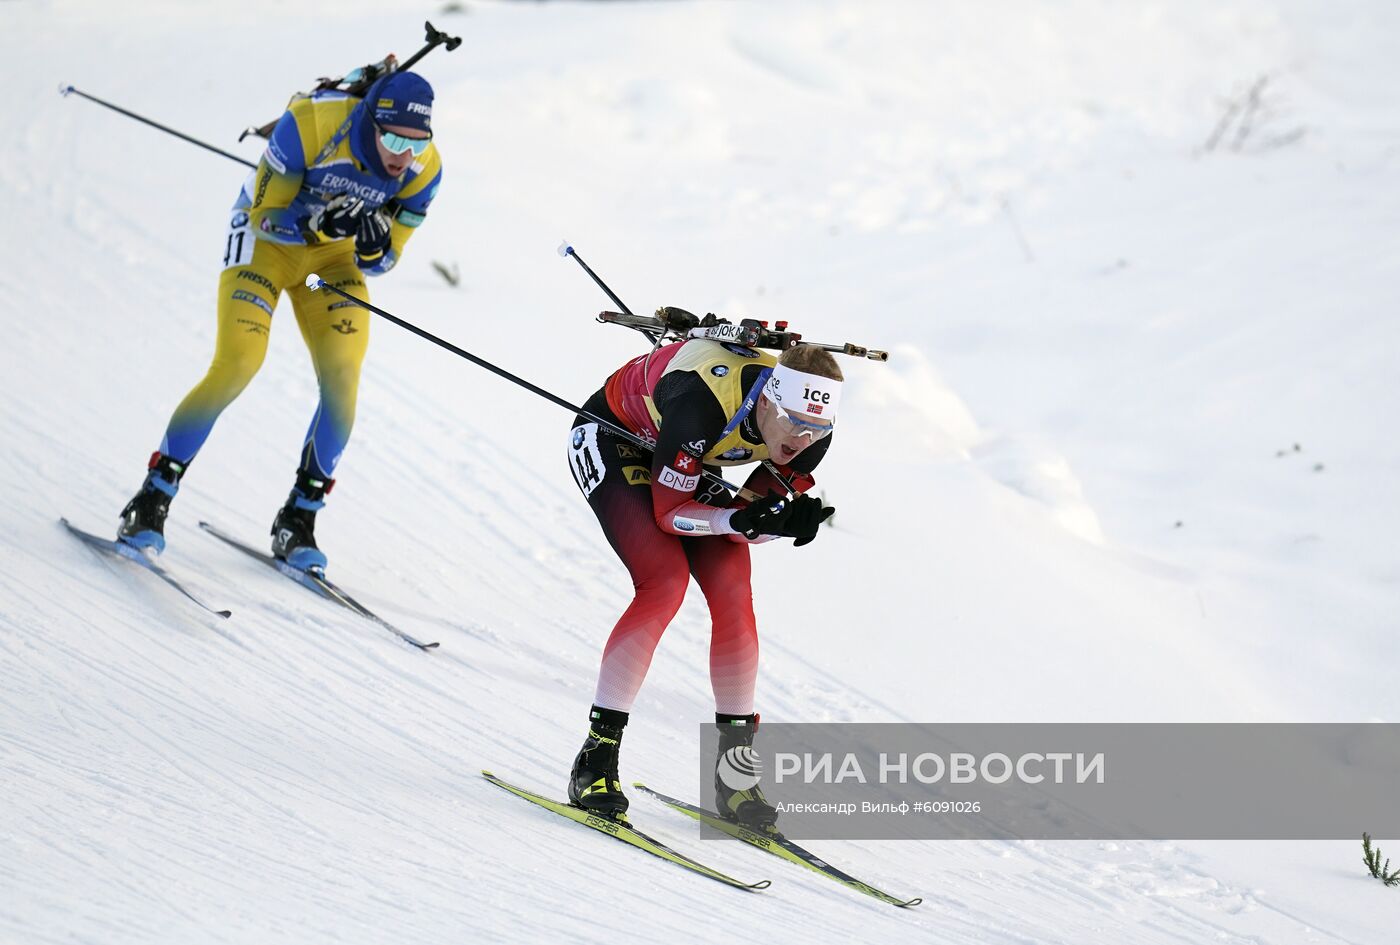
[800, 392]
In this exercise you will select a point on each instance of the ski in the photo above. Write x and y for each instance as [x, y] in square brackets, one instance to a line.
[316, 580]
[122, 550]
[624, 831]
[778, 845]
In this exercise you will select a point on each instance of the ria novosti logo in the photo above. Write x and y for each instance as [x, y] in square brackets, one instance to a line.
[740, 768]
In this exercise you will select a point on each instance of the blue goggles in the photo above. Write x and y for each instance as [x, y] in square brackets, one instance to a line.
[793, 425]
[398, 144]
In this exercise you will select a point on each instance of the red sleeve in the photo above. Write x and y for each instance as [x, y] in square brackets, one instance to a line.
[691, 420]
[761, 481]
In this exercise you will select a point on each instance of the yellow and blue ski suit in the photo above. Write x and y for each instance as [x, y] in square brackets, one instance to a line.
[323, 146]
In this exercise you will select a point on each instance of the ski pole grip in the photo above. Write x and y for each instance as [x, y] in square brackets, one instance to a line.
[314, 282]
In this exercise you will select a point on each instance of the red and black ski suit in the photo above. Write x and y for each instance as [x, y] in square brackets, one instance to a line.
[694, 400]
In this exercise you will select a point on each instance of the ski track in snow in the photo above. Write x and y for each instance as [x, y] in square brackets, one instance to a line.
[1014, 203]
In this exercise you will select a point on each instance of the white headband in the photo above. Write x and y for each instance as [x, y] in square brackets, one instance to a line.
[809, 395]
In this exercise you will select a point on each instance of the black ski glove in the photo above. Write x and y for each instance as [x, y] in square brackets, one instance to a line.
[806, 519]
[339, 218]
[764, 516]
[372, 238]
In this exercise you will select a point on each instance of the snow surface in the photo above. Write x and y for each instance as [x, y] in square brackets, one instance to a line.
[1073, 493]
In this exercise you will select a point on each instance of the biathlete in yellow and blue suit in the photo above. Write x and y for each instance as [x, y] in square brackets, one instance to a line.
[342, 186]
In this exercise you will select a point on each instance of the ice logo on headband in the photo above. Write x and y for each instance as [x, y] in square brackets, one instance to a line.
[819, 398]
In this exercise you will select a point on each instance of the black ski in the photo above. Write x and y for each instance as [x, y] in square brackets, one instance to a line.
[122, 550]
[778, 845]
[620, 829]
[316, 580]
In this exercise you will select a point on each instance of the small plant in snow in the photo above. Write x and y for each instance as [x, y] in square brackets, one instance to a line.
[1243, 124]
[1371, 856]
[451, 275]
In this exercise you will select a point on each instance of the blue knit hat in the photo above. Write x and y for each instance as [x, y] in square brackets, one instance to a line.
[404, 99]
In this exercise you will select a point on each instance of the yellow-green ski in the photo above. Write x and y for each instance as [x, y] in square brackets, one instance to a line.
[778, 845]
[624, 831]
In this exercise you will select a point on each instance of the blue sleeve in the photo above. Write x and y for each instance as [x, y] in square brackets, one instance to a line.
[276, 184]
[380, 266]
[284, 151]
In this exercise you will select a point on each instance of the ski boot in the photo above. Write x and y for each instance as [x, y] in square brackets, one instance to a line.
[294, 529]
[737, 795]
[143, 518]
[594, 784]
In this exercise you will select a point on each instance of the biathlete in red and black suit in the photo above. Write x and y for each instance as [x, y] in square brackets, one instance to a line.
[704, 405]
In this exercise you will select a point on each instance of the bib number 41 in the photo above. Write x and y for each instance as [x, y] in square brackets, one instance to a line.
[238, 243]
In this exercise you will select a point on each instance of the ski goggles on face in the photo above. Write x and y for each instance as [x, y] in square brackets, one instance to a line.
[792, 425]
[398, 144]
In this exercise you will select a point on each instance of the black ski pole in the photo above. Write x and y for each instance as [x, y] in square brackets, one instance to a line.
[66, 90]
[566, 251]
[656, 337]
[315, 282]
